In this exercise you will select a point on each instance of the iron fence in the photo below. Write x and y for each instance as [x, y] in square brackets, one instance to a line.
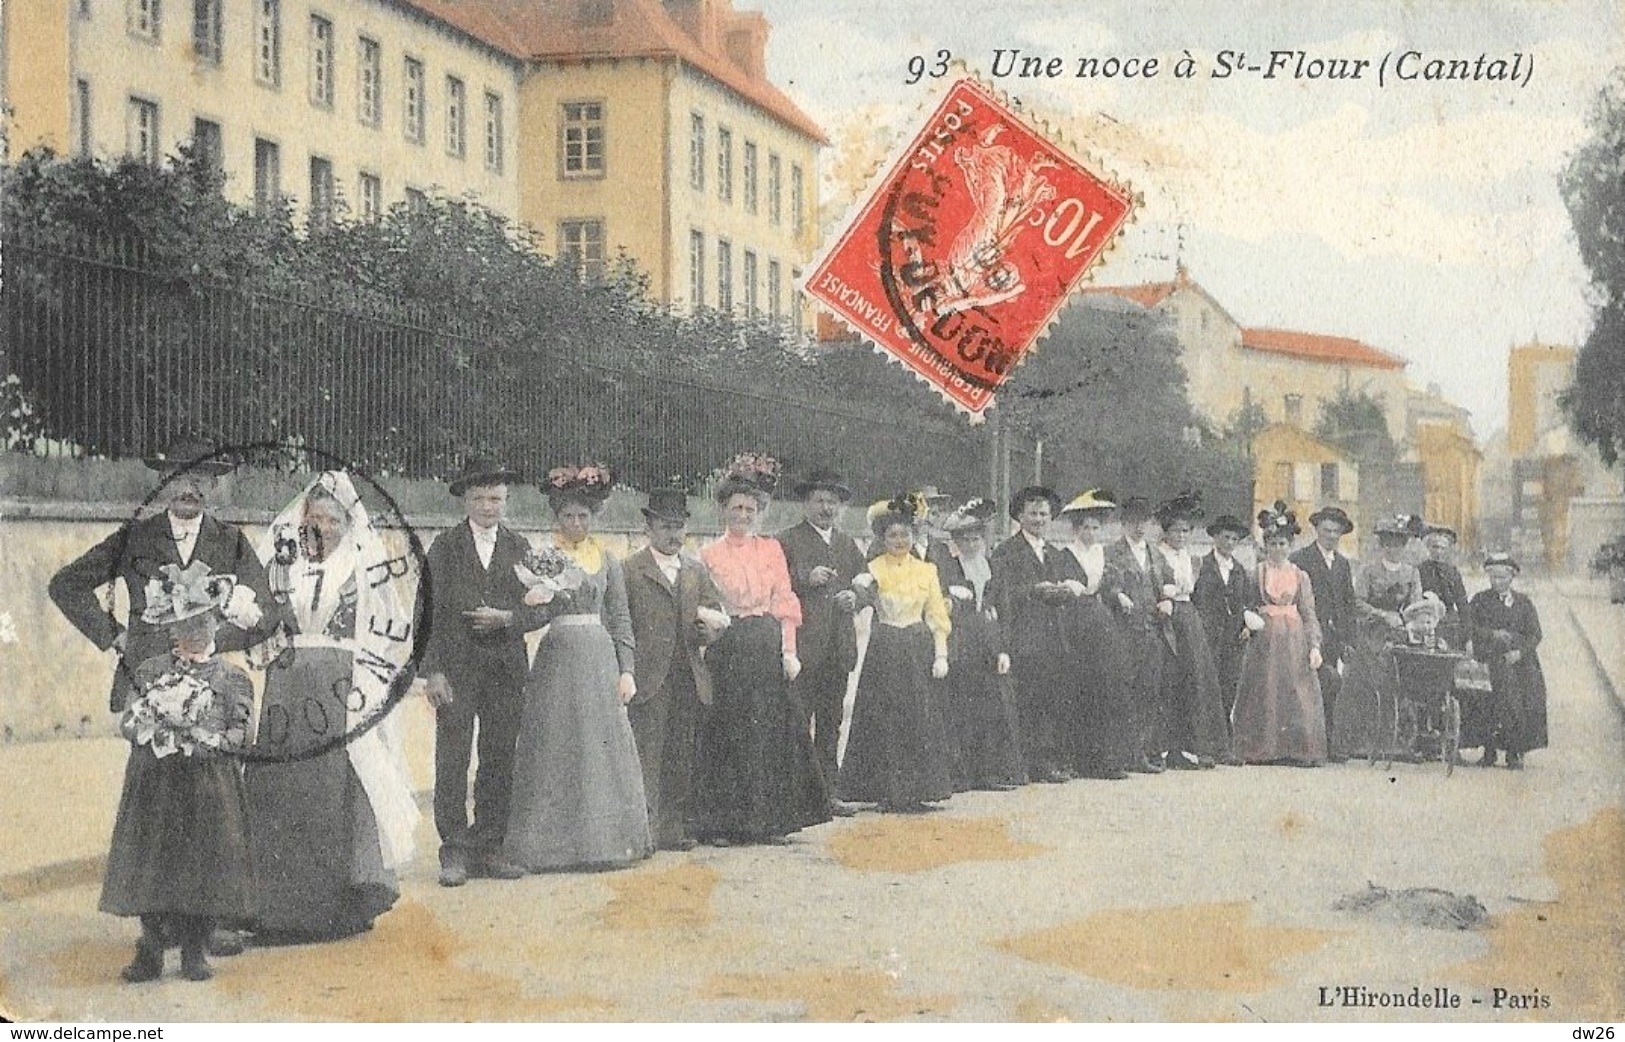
[113, 358]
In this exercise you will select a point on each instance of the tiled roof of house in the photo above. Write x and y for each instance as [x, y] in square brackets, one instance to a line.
[1317, 347]
[1146, 294]
[562, 31]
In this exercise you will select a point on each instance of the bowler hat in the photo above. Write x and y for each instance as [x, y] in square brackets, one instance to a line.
[1444, 530]
[667, 504]
[1019, 501]
[1228, 523]
[477, 471]
[191, 455]
[828, 480]
[1336, 514]
[1502, 560]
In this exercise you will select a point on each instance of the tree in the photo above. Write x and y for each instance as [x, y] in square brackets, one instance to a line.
[1594, 190]
[1357, 423]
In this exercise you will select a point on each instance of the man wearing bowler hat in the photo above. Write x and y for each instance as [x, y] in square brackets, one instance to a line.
[1029, 613]
[1332, 580]
[1226, 597]
[823, 562]
[676, 611]
[472, 621]
[185, 531]
[1144, 614]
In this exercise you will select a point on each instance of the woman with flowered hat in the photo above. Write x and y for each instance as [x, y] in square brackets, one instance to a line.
[756, 777]
[1506, 636]
[1363, 721]
[1196, 734]
[179, 858]
[897, 748]
[1095, 701]
[984, 729]
[577, 799]
[1279, 716]
[329, 797]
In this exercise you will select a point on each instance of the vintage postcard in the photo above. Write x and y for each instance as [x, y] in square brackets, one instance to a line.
[816, 511]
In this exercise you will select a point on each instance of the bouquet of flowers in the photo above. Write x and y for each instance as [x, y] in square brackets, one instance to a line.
[551, 569]
[758, 468]
[174, 715]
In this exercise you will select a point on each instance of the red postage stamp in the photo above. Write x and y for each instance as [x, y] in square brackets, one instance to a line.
[962, 255]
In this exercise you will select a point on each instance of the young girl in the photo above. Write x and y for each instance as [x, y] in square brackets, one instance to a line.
[180, 858]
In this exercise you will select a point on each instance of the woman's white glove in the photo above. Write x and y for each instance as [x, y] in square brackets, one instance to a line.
[1252, 620]
[792, 666]
[241, 608]
[538, 595]
[960, 593]
[939, 668]
[1124, 602]
[1315, 661]
[1073, 586]
[1169, 590]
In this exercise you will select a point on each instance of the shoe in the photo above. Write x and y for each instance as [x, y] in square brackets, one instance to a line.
[841, 810]
[225, 943]
[498, 867]
[194, 966]
[1491, 754]
[1206, 763]
[1150, 766]
[148, 964]
[1179, 762]
[1231, 760]
[1514, 761]
[453, 868]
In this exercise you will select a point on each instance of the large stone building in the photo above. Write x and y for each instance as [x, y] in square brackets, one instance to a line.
[635, 127]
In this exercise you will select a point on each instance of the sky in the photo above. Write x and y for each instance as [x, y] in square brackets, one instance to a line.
[1422, 217]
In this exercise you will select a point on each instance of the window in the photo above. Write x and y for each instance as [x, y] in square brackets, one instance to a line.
[456, 113]
[143, 18]
[582, 242]
[725, 164]
[267, 175]
[775, 303]
[81, 114]
[206, 143]
[1283, 481]
[798, 201]
[582, 144]
[369, 82]
[206, 30]
[752, 309]
[268, 42]
[416, 201]
[414, 101]
[371, 191]
[696, 269]
[142, 139]
[748, 175]
[795, 301]
[725, 275]
[774, 196]
[493, 132]
[321, 62]
[696, 152]
[1292, 404]
[1303, 481]
[321, 190]
[1328, 481]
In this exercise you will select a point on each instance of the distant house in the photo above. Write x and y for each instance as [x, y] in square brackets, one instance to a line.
[1306, 473]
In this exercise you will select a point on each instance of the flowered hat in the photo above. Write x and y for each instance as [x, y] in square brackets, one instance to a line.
[751, 473]
[1187, 507]
[589, 482]
[1401, 526]
[972, 516]
[903, 508]
[176, 594]
[1277, 521]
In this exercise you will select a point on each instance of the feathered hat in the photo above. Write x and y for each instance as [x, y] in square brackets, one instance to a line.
[176, 594]
[972, 516]
[1095, 501]
[1401, 526]
[903, 508]
[1277, 521]
[1187, 506]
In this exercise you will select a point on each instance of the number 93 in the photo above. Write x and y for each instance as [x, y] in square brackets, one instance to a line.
[920, 67]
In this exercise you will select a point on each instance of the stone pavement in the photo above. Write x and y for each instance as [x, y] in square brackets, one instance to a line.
[1601, 625]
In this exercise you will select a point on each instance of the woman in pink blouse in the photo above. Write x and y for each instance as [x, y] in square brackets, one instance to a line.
[756, 777]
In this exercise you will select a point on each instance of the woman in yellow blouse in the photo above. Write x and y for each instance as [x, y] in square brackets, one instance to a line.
[897, 752]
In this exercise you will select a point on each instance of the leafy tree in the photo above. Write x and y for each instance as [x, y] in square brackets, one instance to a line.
[1357, 423]
[1594, 189]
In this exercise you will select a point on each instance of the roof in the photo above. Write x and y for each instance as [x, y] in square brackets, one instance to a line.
[554, 31]
[1317, 347]
[1147, 294]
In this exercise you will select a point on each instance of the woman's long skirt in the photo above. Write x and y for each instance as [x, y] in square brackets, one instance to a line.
[1279, 715]
[180, 842]
[1098, 677]
[755, 776]
[318, 858]
[577, 783]
[897, 751]
[981, 708]
[1363, 719]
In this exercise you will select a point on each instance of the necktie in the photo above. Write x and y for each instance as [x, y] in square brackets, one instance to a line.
[316, 592]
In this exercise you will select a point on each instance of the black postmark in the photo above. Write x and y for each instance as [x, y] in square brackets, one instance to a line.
[319, 718]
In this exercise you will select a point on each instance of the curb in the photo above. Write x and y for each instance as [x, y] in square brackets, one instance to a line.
[1614, 695]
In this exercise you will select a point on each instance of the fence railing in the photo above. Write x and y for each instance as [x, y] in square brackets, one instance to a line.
[114, 359]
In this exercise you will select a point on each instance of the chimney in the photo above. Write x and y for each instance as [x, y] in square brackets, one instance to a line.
[747, 43]
[697, 18]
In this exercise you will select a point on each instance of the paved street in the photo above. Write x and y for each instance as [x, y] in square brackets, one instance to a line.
[1192, 896]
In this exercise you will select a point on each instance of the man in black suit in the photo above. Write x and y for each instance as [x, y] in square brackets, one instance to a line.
[676, 611]
[472, 621]
[186, 531]
[1224, 595]
[1144, 613]
[1029, 614]
[1332, 579]
[823, 561]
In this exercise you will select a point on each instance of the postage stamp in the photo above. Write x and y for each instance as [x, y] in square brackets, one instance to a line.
[973, 238]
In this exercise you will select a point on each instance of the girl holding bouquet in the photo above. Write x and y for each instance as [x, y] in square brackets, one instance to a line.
[179, 857]
[578, 798]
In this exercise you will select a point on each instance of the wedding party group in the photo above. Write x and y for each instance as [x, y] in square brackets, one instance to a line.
[678, 698]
